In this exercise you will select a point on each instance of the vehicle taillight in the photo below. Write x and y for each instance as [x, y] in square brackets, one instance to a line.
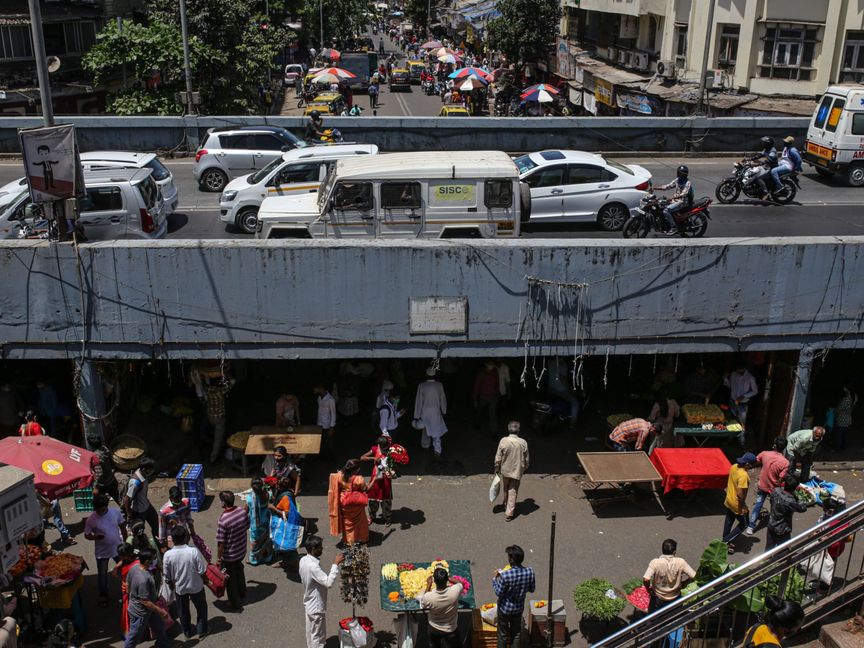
[147, 224]
[833, 155]
[200, 153]
[643, 186]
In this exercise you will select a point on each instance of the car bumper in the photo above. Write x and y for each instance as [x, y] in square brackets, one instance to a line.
[822, 162]
[171, 197]
[227, 213]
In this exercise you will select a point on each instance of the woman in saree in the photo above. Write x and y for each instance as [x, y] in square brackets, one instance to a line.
[346, 504]
[290, 537]
[127, 558]
[258, 505]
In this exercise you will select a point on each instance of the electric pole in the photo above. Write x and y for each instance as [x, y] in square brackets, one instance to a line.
[41, 62]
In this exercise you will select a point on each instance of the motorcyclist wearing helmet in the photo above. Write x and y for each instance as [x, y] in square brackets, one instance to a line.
[790, 160]
[681, 199]
[767, 156]
[315, 126]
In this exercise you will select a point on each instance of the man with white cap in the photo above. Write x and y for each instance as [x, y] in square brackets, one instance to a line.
[430, 406]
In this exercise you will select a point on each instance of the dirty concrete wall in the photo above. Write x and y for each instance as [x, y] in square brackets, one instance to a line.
[618, 134]
[314, 299]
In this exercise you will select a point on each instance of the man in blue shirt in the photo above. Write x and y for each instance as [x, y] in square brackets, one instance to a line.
[790, 160]
[511, 587]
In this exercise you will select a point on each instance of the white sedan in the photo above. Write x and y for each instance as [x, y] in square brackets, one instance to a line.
[580, 187]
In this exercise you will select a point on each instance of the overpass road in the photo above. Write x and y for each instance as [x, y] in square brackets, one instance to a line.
[825, 207]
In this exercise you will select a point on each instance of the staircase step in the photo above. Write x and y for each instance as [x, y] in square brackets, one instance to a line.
[834, 635]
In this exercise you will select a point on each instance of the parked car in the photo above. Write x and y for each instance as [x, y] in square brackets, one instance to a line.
[579, 187]
[293, 72]
[132, 160]
[117, 204]
[233, 151]
[298, 171]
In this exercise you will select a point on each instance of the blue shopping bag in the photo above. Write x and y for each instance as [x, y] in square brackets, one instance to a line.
[287, 534]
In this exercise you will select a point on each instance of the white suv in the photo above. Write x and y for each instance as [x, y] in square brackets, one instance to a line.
[227, 153]
[296, 172]
[95, 160]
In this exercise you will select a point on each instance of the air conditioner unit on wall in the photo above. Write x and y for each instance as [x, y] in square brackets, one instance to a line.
[665, 69]
[612, 53]
[622, 56]
[641, 61]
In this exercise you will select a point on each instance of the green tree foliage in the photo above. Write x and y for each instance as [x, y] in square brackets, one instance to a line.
[416, 12]
[343, 19]
[525, 29]
[232, 46]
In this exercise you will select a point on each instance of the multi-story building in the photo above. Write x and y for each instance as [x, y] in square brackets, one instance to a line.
[70, 28]
[767, 47]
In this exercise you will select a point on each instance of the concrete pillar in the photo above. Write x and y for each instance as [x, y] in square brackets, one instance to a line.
[800, 389]
[91, 402]
[833, 43]
[749, 45]
[192, 139]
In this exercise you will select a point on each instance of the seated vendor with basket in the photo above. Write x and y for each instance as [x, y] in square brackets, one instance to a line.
[635, 434]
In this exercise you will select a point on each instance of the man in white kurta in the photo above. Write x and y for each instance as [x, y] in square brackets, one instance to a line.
[430, 406]
[315, 585]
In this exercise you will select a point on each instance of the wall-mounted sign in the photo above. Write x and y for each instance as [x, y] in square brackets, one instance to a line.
[438, 315]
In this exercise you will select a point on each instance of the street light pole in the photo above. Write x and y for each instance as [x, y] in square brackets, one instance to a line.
[321, 25]
[710, 32]
[187, 66]
[41, 62]
[429, 19]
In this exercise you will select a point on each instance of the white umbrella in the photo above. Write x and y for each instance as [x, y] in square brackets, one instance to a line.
[447, 58]
[542, 97]
[472, 83]
[326, 78]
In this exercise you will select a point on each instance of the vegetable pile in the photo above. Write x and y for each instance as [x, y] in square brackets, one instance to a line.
[596, 599]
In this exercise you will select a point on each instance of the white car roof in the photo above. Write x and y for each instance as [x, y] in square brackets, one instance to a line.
[98, 176]
[129, 158]
[14, 186]
[336, 150]
[554, 156]
[428, 164]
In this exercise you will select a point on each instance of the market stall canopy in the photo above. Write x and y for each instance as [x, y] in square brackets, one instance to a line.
[431, 45]
[540, 96]
[326, 78]
[461, 73]
[540, 86]
[448, 58]
[58, 468]
[472, 83]
[339, 72]
[331, 54]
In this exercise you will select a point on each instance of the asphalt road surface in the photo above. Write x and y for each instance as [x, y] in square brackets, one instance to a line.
[825, 207]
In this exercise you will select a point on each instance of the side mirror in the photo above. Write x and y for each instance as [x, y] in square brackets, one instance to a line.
[286, 148]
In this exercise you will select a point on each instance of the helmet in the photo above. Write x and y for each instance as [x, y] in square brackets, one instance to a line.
[315, 115]
[767, 141]
[683, 171]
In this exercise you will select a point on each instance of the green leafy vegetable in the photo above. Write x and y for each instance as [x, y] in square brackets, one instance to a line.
[713, 563]
[631, 585]
[592, 600]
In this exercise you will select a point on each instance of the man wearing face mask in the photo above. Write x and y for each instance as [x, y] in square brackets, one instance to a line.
[389, 414]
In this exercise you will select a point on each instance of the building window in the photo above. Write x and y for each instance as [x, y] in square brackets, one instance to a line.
[788, 51]
[680, 46]
[853, 58]
[728, 50]
[15, 43]
[652, 34]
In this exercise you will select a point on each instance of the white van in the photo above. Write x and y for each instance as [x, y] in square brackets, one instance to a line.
[295, 172]
[835, 138]
[433, 194]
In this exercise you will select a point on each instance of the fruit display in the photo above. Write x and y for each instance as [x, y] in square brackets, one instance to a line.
[28, 555]
[393, 596]
[390, 572]
[539, 604]
[59, 568]
[355, 575]
[735, 427]
[640, 598]
[696, 414]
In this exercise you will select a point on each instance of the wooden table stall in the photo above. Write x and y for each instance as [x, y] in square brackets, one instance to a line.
[616, 471]
[299, 440]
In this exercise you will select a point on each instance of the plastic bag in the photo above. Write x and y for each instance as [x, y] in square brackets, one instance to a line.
[490, 615]
[285, 535]
[495, 488]
[358, 634]
[166, 593]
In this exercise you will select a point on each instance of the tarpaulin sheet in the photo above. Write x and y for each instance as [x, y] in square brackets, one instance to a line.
[688, 469]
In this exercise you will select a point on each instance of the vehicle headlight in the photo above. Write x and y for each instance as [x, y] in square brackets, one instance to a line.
[228, 196]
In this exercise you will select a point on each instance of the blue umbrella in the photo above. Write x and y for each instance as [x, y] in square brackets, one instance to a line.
[465, 72]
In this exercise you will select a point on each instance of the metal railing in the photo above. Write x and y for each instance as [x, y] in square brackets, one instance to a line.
[719, 612]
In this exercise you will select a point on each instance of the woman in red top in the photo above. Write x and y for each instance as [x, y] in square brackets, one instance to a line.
[31, 426]
[381, 487]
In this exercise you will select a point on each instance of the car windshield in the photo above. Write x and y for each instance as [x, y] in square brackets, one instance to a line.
[160, 171]
[618, 166]
[525, 164]
[324, 189]
[291, 139]
[7, 199]
[262, 174]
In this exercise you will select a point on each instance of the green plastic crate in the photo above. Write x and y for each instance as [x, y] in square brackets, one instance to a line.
[83, 500]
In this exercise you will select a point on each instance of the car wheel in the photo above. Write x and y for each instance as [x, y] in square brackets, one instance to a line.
[612, 217]
[855, 175]
[247, 220]
[213, 180]
[825, 173]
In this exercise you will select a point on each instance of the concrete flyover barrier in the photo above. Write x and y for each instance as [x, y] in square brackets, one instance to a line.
[512, 134]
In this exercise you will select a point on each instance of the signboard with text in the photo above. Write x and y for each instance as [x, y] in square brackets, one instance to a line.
[438, 315]
[51, 162]
[603, 91]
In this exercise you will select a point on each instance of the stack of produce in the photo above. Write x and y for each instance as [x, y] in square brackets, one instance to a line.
[696, 414]
[28, 555]
[59, 569]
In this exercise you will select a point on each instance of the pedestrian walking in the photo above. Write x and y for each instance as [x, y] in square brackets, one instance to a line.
[511, 462]
[144, 614]
[511, 587]
[104, 480]
[663, 414]
[31, 426]
[800, 447]
[183, 569]
[742, 388]
[666, 575]
[177, 511]
[315, 585]
[373, 96]
[326, 416]
[52, 509]
[380, 491]
[389, 414]
[774, 468]
[214, 403]
[485, 395]
[106, 528]
[140, 541]
[231, 547]
[783, 507]
[843, 417]
[736, 498]
[430, 406]
[441, 606]
[136, 503]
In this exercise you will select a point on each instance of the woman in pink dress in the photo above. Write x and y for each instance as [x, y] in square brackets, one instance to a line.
[381, 488]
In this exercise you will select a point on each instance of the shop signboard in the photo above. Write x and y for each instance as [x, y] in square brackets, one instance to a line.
[603, 91]
[438, 315]
[635, 103]
[563, 54]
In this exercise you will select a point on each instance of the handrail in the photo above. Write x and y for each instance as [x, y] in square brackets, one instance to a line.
[725, 589]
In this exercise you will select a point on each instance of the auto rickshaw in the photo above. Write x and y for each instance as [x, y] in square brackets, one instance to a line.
[454, 111]
[334, 100]
[415, 68]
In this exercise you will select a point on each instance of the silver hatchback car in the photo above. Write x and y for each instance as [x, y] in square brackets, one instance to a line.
[228, 153]
[95, 160]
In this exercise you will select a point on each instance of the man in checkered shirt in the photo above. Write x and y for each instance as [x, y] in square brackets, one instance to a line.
[634, 434]
[511, 586]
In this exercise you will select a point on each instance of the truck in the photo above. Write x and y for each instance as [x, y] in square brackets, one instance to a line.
[357, 63]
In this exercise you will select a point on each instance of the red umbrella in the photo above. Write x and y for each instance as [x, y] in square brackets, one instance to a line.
[58, 468]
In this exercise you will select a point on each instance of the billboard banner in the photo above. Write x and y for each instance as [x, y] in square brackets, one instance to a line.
[51, 162]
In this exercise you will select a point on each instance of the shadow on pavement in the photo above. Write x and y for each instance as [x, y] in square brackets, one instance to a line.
[177, 222]
[407, 517]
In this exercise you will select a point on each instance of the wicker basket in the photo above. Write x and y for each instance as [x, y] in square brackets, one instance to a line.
[127, 451]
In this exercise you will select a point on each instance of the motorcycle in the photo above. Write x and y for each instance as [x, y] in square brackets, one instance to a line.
[692, 222]
[305, 97]
[428, 87]
[744, 179]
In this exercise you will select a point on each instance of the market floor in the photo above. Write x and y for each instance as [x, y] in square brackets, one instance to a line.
[450, 517]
